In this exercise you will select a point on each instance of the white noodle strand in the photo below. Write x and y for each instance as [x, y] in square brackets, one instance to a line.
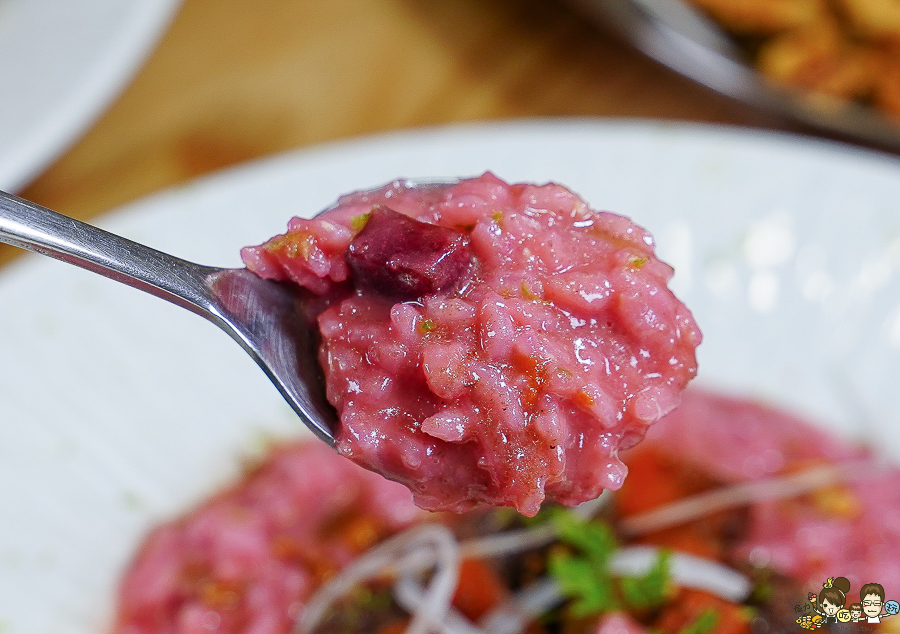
[743, 494]
[513, 615]
[409, 595]
[516, 541]
[409, 554]
[432, 610]
[508, 542]
[587, 510]
[414, 549]
[687, 571]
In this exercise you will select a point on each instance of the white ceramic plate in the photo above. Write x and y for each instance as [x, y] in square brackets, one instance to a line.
[119, 410]
[61, 63]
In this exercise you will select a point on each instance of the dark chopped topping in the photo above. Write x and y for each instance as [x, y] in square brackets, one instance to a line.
[404, 259]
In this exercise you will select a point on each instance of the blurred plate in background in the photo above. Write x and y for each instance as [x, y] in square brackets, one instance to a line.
[61, 63]
[675, 34]
[120, 410]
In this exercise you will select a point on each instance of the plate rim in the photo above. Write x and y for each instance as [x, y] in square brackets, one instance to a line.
[794, 141]
[60, 124]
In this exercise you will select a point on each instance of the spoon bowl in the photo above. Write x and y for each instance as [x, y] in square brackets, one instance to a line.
[266, 318]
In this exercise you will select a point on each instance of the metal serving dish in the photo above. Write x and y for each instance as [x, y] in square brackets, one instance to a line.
[680, 37]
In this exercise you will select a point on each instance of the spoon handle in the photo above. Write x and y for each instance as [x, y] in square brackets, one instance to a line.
[29, 226]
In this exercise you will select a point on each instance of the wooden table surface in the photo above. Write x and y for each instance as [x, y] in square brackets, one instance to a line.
[235, 80]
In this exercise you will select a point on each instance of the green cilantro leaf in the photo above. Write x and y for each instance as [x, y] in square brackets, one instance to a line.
[595, 540]
[651, 589]
[704, 623]
[578, 579]
[583, 575]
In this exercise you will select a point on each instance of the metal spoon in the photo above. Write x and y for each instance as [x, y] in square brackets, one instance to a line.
[264, 317]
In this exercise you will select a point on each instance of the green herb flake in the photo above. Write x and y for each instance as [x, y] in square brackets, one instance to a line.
[591, 593]
[527, 292]
[293, 244]
[426, 325]
[595, 540]
[763, 587]
[636, 263]
[350, 615]
[704, 623]
[498, 217]
[580, 566]
[651, 589]
[131, 501]
[583, 576]
[358, 222]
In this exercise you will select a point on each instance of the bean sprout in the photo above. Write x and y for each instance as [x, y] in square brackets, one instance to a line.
[687, 571]
[412, 550]
[514, 614]
[703, 504]
[410, 554]
[410, 595]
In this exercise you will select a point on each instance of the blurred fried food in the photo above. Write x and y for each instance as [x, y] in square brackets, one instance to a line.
[763, 16]
[887, 94]
[874, 20]
[839, 50]
[819, 57]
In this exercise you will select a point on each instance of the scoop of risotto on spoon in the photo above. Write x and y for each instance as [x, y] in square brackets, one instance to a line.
[488, 343]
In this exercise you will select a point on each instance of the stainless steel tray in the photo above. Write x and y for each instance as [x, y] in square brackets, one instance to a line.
[680, 37]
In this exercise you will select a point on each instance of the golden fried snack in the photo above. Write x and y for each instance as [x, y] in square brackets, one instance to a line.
[887, 91]
[763, 16]
[844, 50]
[873, 19]
[820, 58]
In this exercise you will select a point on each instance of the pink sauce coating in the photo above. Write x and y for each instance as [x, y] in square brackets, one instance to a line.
[520, 380]
[850, 529]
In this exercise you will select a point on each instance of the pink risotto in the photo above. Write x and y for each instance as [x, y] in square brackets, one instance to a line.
[246, 560]
[255, 558]
[849, 526]
[487, 343]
